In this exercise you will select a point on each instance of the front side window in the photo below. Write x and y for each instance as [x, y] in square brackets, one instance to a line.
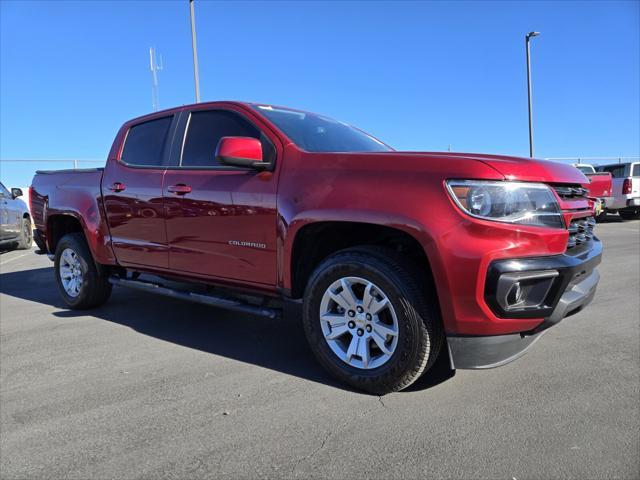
[145, 143]
[315, 133]
[204, 131]
[585, 169]
[4, 192]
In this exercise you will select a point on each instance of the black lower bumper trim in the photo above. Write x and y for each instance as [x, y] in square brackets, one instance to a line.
[578, 287]
[569, 269]
[488, 352]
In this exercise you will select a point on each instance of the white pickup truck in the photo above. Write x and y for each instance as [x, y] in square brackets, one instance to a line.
[626, 189]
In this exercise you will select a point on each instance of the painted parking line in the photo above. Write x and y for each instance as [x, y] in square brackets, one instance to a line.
[28, 252]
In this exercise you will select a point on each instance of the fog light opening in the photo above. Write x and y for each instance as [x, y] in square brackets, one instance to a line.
[514, 297]
[524, 290]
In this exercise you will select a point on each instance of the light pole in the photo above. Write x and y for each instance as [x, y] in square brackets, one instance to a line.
[526, 41]
[195, 51]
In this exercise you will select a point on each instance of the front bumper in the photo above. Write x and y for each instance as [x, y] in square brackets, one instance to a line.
[558, 286]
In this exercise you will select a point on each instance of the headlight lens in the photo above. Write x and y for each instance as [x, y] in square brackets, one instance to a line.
[511, 202]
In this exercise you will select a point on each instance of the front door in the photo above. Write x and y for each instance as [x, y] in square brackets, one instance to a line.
[132, 191]
[221, 220]
[10, 215]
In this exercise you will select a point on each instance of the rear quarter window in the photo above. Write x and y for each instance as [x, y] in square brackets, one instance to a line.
[617, 171]
[635, 170]
[145, 143]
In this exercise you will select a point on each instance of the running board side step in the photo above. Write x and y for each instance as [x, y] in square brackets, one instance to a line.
[206, 299]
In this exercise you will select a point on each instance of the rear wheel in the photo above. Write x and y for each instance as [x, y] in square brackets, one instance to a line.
[26, 234]
[630, 214]
[370, 322]
[81, 283]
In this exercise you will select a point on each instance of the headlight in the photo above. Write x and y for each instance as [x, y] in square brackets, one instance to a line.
[511, 202]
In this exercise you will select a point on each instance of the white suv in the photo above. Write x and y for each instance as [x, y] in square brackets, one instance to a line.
[15, 221]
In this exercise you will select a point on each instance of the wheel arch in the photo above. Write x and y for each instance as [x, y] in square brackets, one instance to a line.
[314, 241]
[61, 224]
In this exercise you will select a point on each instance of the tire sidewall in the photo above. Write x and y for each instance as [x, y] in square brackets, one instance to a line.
[410, 327]
[26, 240]
[69, 242]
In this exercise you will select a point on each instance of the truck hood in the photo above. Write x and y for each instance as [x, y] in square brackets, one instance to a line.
[525, 169]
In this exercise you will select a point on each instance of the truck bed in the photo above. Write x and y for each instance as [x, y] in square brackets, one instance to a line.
[74, 194]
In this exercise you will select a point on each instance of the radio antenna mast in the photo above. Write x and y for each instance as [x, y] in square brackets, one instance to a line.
[155, 67]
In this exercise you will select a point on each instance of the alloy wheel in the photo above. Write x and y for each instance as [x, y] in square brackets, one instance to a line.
[359, 322]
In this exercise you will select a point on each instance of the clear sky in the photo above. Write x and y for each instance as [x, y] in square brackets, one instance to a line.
[419, 75]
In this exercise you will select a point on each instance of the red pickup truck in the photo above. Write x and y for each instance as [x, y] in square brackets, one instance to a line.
[392, 256]
[600, 189]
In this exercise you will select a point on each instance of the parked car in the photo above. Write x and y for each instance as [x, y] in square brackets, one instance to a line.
[600, 188]
[626, 189]
[392, 257]
[585, 168]
[16, 230]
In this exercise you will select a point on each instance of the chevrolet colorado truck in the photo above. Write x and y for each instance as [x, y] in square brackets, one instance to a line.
[390, 257]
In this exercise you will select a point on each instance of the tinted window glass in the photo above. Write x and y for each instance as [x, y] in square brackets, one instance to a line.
[617, 171]
[585, 169]
[4, 192]
[145, 143]
[315, 133]
[205, 131]
[636, 170]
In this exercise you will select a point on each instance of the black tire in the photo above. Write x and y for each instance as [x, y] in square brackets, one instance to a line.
[630, 214]
[95, 289]
[420, 334]
[26, 235]
[601, 217]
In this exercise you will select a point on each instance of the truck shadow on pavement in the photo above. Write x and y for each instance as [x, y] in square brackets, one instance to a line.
[274, 344]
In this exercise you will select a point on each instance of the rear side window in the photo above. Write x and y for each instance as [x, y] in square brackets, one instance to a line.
[617, 171]
[204, 131]
[145, 143]
[635, 172]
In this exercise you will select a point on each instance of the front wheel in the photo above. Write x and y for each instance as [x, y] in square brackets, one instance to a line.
[80, 282]
[369, 320]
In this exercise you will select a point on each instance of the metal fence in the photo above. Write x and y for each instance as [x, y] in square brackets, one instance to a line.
[76, 163]
[63, 163]
[594, 160]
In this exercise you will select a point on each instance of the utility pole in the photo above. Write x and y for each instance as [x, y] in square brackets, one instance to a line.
[195, 51]
[526, 41]
[155, 68]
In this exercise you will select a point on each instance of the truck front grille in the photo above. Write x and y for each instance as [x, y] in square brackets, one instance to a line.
[580, 231]
[571, 191]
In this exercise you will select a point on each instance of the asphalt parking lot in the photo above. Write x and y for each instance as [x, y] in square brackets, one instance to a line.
[153, 387]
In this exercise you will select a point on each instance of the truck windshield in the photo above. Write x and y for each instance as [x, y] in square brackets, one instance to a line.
[315, 133]
[585, 168]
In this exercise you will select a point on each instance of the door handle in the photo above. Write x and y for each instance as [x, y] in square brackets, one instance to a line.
[179, 189]
[117, 187]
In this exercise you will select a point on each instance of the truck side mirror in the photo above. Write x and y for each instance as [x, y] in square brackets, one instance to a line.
[16, 192]
[241, 152]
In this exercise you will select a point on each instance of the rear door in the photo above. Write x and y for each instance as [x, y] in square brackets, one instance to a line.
[223, 222]
[132, 192]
